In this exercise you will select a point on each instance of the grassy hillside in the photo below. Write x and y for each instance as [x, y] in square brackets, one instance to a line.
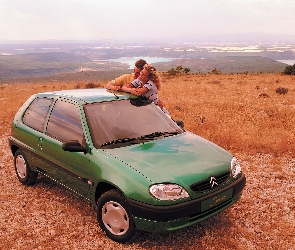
[247, 114]
[242, 113]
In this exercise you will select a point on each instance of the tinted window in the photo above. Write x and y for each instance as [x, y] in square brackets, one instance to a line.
[64, 122]
[36, 114]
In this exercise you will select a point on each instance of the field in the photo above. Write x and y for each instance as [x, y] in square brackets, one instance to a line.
[250, 115]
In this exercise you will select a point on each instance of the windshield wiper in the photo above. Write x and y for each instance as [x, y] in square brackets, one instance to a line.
[121, 140]
[141, 138]
[158, 134]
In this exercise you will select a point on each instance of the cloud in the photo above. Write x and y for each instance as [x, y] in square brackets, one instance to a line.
[144, 20]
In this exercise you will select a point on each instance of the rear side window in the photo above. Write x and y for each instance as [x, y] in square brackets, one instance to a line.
[64, 122]
[36, 113]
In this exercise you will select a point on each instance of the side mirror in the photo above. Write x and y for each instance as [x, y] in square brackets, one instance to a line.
[73, 146]
[180, 123]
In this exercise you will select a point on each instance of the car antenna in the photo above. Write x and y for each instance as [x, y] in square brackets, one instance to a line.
[113, 92]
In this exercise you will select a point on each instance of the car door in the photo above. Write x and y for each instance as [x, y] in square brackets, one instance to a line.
[31, 129]
[69, 168]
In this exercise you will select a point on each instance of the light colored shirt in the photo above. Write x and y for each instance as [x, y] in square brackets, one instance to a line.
[123, 80]
[152, 93]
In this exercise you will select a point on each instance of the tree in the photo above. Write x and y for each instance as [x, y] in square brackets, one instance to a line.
[179, 69]
[289, 70]
[186, 70]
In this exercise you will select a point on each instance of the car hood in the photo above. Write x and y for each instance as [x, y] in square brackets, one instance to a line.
[184, 159]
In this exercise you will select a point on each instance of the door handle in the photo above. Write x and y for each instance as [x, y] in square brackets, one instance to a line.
[40, 142]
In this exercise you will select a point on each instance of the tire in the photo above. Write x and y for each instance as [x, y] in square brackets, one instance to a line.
[114, 217]
[22, 169]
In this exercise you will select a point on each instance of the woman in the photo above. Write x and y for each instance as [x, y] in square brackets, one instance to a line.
[147, 84]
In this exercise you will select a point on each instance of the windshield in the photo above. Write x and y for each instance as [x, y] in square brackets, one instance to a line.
[121, 121]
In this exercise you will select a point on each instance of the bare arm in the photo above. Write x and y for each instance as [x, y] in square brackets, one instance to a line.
[111, 85]
[128, 89]
[141, 91]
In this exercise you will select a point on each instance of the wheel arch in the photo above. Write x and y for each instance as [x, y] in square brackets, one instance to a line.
[14, 148]
[103, 187]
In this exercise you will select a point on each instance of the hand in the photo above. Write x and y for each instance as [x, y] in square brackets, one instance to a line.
[117, 87]
[133, 91]
[160, 103]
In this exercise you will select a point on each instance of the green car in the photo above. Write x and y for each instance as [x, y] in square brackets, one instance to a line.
[139, 168]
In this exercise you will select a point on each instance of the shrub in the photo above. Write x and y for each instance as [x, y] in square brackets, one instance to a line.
[216, 72]
[263, 95]
[281, 91]
[172, 72]
[179, 69]
[90, 85]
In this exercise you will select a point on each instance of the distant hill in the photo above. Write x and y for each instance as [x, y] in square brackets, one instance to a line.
[55, 63]
[229, 64]
[32, 64]
[42, 64]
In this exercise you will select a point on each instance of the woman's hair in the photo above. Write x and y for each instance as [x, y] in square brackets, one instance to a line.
[153, 75]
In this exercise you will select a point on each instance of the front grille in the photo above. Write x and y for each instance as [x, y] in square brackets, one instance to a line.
[206, 185]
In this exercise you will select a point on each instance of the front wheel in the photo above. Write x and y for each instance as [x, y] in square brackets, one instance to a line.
[114, 217]
[22, 169]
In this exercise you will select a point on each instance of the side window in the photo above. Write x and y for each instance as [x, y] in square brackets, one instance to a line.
[64, 122]
[36, 113]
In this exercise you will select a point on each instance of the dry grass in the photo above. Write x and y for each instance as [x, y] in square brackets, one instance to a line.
[242, 113]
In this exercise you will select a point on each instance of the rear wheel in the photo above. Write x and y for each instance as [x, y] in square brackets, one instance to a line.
[114, 217]
[22, 169]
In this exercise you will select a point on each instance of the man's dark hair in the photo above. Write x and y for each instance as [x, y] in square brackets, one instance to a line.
[140, 63]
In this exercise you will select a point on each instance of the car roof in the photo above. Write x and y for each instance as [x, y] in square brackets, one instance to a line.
[87, 95]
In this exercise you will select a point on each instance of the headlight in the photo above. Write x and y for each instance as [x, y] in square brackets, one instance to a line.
[235, 167]
[168, 192]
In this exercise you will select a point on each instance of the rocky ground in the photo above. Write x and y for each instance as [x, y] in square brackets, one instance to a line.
[47, 216]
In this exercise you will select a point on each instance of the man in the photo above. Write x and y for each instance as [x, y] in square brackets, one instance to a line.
[119, 82]
[126, 79]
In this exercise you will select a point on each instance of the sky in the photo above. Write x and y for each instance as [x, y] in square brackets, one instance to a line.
[145, 20]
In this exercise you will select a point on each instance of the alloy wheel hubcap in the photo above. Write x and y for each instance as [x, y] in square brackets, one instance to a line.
[21, 166]
[115, 218]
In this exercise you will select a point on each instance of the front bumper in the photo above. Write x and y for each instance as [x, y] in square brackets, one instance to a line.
[172, 217]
